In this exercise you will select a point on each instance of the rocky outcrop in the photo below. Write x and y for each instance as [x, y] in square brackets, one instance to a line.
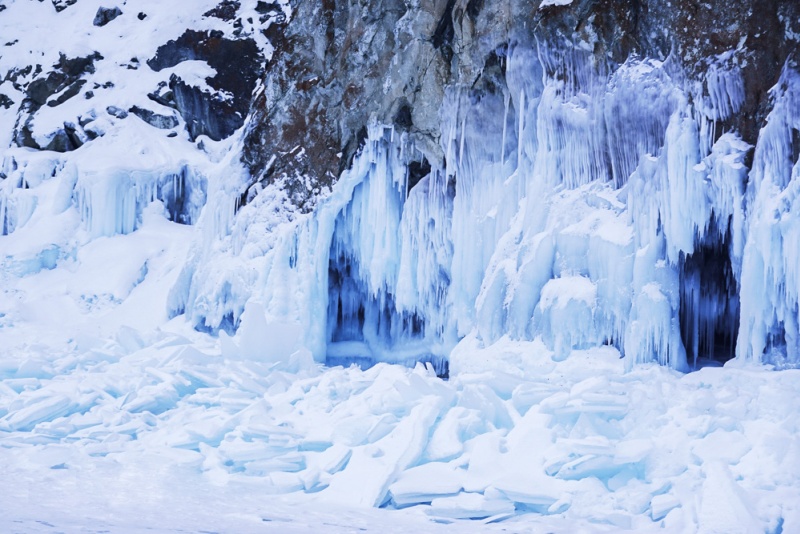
[162, 122]
[105, 15]
[219, 109]
[61, 5]
[337, 65]
[59, 85]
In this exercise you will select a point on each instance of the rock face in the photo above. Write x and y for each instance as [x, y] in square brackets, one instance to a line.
[105, 15]
[218, 110]
[65, 81]
[338, 65]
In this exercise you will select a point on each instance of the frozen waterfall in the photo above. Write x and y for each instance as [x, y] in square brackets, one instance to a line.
[575, 206]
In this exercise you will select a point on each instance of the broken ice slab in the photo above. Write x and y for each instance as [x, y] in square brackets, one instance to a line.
[278, 436]
[529, 394]
[240, 451]
[661, 505]
[724, 504]
[458, 426]
[286, 482]
[365, 480]
[540, 496]
[632, 451]
[610, 405]
[22, 384]
[503, 384]
[728, 447]
[595, 456]
[424, 483]
[156, 399]
[331, 460]
[44, 407]
[599, 445]
[470, 506]
[588, 465]
[288, 463]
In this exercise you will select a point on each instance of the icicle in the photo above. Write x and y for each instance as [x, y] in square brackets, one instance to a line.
[463, 137]
[505, 126]
[521, 121]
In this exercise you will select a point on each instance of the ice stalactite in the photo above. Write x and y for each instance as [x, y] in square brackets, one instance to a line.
[571, 139]
[486, 193]
[717, 96]
[20, 177]
[639, 102]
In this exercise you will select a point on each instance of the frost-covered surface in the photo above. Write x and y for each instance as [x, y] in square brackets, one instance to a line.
[161, 344]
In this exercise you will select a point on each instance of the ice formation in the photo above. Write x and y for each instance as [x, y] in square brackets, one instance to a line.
[581, 206]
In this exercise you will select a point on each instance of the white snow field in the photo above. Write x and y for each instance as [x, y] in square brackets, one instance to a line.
[166, 377]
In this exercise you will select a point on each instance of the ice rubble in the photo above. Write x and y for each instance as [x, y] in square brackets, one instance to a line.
[568, 444]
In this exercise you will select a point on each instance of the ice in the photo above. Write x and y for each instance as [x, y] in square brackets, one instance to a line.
[547, 3]
[470, 506]
[641, 97]
[426, 482]
[723, 507]
[372, 468]
[612, 184]
[661, 505]
[769, 279]
[112, 202]
[258, 340]
[585, 450]
[37, 408]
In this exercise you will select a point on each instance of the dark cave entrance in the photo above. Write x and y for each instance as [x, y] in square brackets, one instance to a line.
[709, 310]
[365, 329]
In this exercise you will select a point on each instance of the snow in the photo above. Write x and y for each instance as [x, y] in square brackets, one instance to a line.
[547, 3]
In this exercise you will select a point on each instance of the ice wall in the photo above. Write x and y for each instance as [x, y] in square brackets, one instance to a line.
[576, 205]
[109, 201]
[366, 275]
[771, 257]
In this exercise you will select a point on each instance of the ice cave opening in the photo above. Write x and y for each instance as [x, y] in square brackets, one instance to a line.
[365, 329]
[709, 304]
[368, 320]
